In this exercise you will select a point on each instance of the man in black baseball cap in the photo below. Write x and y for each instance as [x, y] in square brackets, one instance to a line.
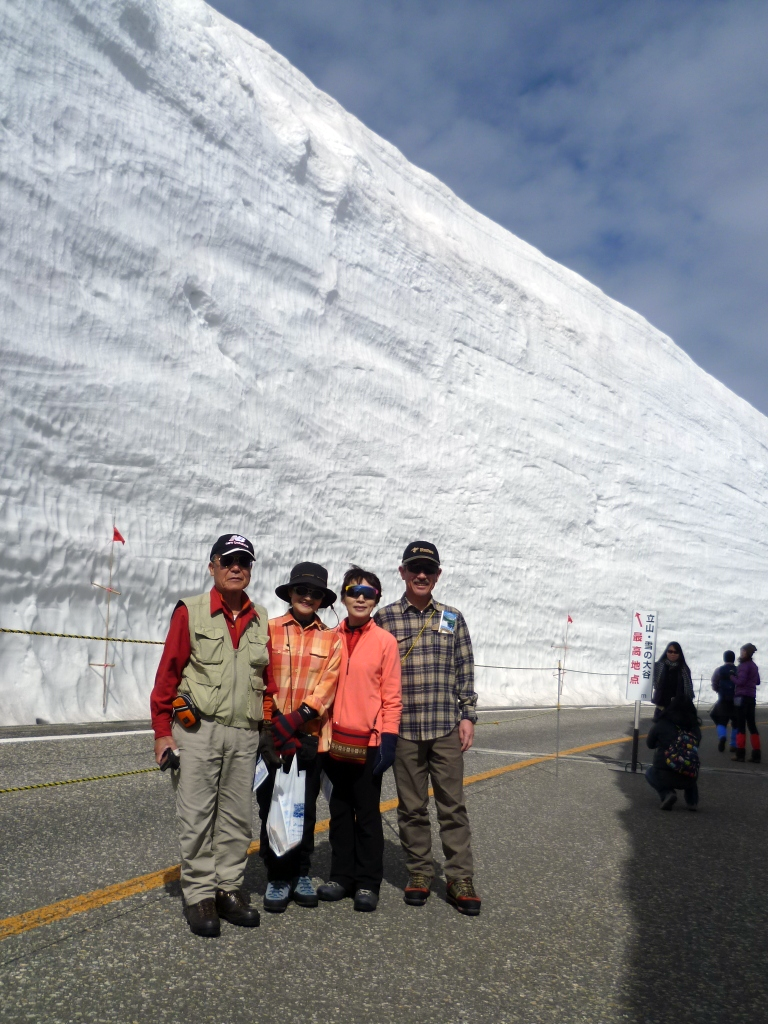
[214, 659]
[436, 728]
[230, 543]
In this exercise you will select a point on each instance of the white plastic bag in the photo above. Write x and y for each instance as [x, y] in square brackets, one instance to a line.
[285, 822]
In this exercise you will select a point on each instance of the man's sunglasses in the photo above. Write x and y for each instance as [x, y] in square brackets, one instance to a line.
[313, 592]
[417, 568]
[360, 590]
[237, 558]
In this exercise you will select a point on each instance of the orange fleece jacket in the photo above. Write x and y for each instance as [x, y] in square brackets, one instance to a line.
[368, 696]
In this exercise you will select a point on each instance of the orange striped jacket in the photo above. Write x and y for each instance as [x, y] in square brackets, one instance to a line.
[304, 667]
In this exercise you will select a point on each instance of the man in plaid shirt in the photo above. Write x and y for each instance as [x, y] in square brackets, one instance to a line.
[437, 726]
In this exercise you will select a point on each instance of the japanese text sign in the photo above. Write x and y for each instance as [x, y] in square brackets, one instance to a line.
[642, 655]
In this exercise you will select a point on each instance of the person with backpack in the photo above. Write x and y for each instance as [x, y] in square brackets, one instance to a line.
[671, 678]
[365, 723]
[675, 738]
[747, 682]
[724, 711]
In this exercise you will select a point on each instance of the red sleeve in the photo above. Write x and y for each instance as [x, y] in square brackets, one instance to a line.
[174, 657]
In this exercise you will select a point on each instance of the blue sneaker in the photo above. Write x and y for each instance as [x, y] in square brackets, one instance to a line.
[304, 892]
[277, 896]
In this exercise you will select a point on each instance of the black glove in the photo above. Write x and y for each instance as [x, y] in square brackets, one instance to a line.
[307, 750]
[386, 756]
[267, 746]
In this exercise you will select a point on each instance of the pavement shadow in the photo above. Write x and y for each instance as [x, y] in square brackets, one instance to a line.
[695, 883]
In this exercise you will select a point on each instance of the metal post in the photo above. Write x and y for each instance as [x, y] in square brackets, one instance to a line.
[105, 665]
[109, 598]
[636, 736]
[557, 746]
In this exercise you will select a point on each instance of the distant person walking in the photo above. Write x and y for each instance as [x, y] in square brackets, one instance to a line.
[437, 727]
[671, 678]
[724, 711]
[365, 723]
[747, 682]
[675, 737]
[207, 704]
[304, 661]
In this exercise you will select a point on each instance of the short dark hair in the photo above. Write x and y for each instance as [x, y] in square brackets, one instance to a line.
[354, 574]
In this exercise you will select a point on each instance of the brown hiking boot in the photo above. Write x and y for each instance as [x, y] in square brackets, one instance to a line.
[203, 919]
[416, 891]
[461, 893]
[234, 907]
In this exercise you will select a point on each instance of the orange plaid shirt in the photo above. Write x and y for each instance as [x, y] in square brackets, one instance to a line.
[304, 665]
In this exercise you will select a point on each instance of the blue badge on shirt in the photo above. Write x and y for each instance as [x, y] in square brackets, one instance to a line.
[447, 622]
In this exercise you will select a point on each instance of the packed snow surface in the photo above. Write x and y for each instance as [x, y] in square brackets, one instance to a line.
[227, 305]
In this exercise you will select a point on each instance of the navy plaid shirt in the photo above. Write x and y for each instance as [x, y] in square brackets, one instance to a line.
[438, 675]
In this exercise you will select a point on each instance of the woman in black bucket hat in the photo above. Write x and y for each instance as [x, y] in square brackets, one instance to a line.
[307, 574]
[302, 675]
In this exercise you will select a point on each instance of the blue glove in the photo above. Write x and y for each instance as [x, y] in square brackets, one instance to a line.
[386, 756]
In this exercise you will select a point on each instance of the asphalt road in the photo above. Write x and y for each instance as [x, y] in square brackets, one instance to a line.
[598, 907]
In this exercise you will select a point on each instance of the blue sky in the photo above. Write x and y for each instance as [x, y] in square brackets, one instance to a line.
[626, 139]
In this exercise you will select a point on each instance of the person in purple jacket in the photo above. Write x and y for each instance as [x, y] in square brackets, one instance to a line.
[747, 682]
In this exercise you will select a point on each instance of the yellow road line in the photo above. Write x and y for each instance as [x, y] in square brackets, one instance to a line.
[156, 879]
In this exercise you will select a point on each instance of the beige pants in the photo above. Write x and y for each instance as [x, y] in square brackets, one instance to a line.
[442, 761]
[214, 807]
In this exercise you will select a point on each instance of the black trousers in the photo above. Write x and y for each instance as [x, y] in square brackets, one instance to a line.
[356, 833]
[297, 861]
[745, 715]
[724, 712]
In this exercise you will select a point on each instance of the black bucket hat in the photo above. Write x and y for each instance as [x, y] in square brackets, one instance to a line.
[309, 574]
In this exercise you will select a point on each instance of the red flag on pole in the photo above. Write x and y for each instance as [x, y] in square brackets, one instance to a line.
[117, 536]
[569, 617]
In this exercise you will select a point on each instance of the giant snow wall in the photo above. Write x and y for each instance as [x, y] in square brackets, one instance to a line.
[227, 305]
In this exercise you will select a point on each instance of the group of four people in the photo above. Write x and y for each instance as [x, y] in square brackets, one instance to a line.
[387, 687]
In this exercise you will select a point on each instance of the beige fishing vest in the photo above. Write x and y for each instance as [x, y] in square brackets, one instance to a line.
[223, 682]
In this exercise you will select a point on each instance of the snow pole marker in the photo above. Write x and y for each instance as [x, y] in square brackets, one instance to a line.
[560, 682]
[105, 665]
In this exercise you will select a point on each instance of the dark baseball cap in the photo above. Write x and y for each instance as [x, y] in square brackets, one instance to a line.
[231, 542]
[421, 551]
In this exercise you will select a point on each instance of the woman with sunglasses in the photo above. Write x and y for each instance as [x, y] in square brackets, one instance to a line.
[304, 662]
[671, 678]
[366, 721]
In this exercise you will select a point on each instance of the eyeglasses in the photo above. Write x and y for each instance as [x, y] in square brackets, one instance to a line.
[236, 558]
[360, 590]
[313, 592]
[417, 568]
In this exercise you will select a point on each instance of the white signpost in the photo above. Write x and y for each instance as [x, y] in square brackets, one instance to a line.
[642, 657]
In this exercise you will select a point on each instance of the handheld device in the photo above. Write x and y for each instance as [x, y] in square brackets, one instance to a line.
[170, 759]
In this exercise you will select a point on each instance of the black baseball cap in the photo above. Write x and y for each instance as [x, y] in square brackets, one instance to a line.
[231, 542]
[420, 551]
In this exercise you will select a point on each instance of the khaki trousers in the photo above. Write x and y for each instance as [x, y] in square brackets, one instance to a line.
[441, 760]
[214, 806]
